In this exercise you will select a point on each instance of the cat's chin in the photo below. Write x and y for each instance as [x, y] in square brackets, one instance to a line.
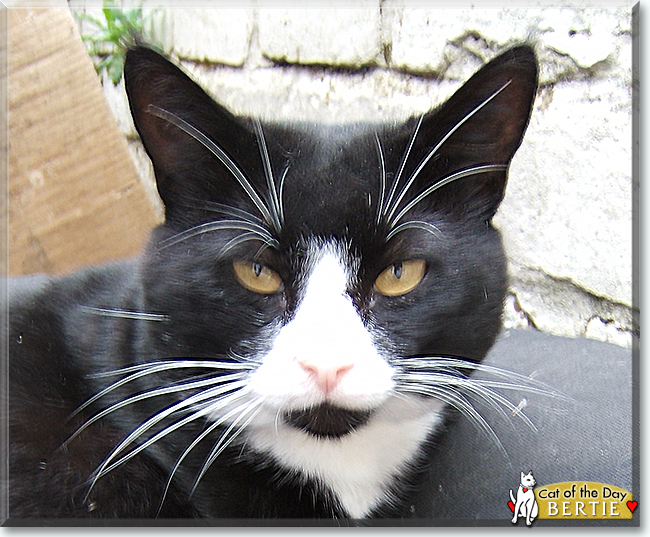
[327, 420]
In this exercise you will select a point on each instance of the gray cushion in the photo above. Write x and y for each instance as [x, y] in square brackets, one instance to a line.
[588, 437]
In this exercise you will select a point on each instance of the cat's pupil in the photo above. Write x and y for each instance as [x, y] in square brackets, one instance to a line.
[397, 270]
[257, 269]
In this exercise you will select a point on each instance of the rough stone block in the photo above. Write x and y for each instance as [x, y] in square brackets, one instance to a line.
[568, 205]
[219, 35]
[340, 36]
[453, 42]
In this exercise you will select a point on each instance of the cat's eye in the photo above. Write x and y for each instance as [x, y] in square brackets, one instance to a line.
[257, 277]
[400, 278]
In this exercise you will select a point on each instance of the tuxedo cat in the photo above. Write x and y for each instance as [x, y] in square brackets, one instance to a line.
[287, 343]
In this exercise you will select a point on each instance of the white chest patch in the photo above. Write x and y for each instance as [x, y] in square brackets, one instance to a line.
[326, 354]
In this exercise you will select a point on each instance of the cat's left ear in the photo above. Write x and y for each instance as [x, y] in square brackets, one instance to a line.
[474, 135]
[183, 131]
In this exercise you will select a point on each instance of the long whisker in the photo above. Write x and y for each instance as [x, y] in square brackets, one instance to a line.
[281, 190]
[268, 172]
[478, 387]
[174, 388]
[218, 152]
[225, 440]
[127, 314]
[186, 452]
[434, 150]
[414, 224]
[460, 402]
[402, 165]
[208, 227]
[228, 210]
[106, 466]
[206, 409]
[382, 177]
[485, 168]
[163, 365]
[141, 370]
[196, 441]
[453, 366]
[447, 379]
[244, 237]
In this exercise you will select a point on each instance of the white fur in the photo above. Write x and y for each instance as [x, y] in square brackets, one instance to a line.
[327, 331]
[358, 467]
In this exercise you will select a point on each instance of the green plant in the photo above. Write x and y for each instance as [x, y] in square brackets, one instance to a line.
[121, 29]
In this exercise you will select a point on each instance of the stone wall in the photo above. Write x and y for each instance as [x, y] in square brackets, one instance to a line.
[567, 216]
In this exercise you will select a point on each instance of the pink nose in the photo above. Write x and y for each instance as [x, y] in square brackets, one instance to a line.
[326, 376]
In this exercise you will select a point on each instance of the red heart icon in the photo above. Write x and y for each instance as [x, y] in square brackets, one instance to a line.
[632, 506]
[512, 506]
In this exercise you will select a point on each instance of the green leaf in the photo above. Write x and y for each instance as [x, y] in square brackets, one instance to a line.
[121, 29]
[109, 13]
[116, 68]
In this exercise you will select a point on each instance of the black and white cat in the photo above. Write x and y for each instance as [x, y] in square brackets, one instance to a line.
[287, 343]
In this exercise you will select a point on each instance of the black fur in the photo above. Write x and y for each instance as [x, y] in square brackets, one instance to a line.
[58, 337]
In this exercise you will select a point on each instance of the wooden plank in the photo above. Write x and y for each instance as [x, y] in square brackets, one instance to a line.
[74, 194]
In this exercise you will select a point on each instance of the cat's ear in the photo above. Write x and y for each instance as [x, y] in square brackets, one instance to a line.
[474, 135]
[177, 121]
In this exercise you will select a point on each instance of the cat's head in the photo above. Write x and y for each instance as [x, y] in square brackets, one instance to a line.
[339, 264]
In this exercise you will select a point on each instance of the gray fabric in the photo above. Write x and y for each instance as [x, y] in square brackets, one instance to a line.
[586, 438]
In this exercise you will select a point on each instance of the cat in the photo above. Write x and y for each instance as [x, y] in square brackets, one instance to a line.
[525, 505]
[289, 341]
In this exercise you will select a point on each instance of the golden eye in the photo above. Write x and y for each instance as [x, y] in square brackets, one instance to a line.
[256, 277]
[400, 278]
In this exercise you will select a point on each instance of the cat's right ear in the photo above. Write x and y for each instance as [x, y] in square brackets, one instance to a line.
[172, 115]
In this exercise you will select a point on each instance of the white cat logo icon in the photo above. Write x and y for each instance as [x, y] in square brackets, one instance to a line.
[525, 505]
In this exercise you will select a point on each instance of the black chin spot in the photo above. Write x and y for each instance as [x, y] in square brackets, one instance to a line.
[327, 421]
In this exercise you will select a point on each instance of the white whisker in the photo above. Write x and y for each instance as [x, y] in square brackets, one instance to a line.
[204, 411]
[218, 225]
[414, 224]
[187, 451]
[175, 388]
[141, 370]
[106, 466]
[281, 190]
[459, 402]
[164, 365]
[240, 239]
[127, 314]
[228, 210]
[455, 365]
[268, 172]
[478, 387]
[447, 379]
[401, 166]
[485, 168]
[225, 440]
[382, 177]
